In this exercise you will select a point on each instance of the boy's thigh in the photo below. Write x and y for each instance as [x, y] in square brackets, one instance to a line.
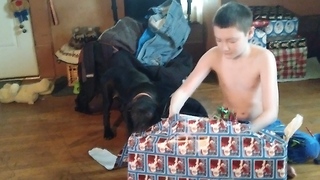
[301, 146]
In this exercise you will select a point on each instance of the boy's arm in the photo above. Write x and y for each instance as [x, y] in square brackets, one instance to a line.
[192, 82]
[270, 92]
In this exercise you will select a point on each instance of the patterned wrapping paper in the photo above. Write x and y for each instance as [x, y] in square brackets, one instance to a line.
[282, 27]
[205, 148]
[259, 38]
[291, 56]
[285, 42]
[282, 21]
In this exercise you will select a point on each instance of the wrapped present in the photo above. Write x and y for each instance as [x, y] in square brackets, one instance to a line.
[291, 54]
[195, 148]
[259, 38]
[286, 42]
[282, 21]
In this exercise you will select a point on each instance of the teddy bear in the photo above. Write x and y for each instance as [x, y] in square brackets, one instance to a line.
[8, 92]
[20, 10]
[29, 93]
[26, 93]
[83, 35]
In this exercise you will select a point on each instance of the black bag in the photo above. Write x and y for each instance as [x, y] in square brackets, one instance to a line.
[92, 63]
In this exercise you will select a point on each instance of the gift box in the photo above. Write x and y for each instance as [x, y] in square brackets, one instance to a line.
[291, 54]
[195, 148]
[282, 21]
[259, 38]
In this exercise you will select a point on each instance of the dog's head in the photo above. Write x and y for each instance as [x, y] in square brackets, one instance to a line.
[142, 113]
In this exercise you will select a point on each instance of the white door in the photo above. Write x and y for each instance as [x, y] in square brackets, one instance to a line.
[17, 52]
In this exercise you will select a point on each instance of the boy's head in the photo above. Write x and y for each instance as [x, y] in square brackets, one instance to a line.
[233, 14]
[232, 26]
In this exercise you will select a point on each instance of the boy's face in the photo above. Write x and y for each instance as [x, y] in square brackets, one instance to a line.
[231, 41]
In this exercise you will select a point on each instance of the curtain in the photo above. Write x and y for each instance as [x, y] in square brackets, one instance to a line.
[196, 10]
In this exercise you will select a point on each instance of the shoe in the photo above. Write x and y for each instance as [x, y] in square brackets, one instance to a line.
[76, 87]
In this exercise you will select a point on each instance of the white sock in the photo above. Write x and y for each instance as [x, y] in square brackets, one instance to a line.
[103, 157]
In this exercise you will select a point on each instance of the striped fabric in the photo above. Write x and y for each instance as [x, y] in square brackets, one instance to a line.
[291, 62]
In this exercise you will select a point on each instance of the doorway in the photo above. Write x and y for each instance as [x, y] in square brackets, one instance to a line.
[17, 50]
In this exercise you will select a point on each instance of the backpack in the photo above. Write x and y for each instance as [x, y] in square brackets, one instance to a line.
[92, 63]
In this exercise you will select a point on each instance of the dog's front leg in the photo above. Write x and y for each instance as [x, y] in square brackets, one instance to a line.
[107, 102]
[130, 126]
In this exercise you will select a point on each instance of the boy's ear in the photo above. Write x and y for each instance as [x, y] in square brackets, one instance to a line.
[251, 32]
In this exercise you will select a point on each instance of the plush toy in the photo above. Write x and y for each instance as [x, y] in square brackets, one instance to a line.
[29, 93]
[82, 35]
[26, 95]
[20, 10]
[8, 92]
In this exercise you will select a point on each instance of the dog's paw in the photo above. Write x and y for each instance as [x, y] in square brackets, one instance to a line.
[109, 134]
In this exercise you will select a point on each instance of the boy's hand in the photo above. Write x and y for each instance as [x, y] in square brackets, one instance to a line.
[173, 117]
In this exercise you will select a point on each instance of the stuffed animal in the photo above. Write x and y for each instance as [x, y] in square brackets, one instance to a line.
[20, 11]
[82, 35]
[8, 92]
[29, 93]
[26, 93]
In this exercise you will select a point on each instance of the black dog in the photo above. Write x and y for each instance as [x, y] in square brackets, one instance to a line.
[142, 102]
[136, 93]
[142, 92]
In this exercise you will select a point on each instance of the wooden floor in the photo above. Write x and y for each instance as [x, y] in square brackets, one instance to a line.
[49, 140]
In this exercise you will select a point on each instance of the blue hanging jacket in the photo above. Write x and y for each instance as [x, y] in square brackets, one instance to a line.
[171, 30]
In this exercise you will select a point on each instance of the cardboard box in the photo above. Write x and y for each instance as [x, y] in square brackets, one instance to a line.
[291, 54]
[205, 148]
[282, 21]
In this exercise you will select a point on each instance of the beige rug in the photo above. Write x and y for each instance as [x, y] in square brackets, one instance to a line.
[313, 71]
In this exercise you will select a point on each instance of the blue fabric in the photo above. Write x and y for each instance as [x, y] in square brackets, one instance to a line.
[147, 34]
[21, 15]
[169, 37]
[301, 147]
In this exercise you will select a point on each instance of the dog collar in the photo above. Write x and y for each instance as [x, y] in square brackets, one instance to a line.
[141, 94]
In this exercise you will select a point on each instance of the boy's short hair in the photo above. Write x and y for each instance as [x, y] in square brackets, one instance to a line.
[233, 14]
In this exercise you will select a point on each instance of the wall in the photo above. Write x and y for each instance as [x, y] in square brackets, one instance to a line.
[71, 13]
[49, 38]
[300, 7]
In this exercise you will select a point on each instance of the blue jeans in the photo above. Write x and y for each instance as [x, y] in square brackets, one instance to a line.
[168, 38]
[301, 147]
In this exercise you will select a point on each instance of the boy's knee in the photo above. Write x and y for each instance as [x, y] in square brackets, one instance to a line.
[312, 147]
[303, 147]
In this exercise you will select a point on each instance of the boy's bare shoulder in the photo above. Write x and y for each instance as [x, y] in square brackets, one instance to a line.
[213, 50]
[260, 50]
[212, 54]
[261, 53]
[211, 57]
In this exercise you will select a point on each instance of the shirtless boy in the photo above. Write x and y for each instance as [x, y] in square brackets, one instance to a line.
[247, 73]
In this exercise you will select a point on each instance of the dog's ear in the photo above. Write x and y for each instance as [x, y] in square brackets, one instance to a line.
[149, 114]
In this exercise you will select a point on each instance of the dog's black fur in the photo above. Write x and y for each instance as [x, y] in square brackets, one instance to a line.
[142, 102]
[137, 95]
